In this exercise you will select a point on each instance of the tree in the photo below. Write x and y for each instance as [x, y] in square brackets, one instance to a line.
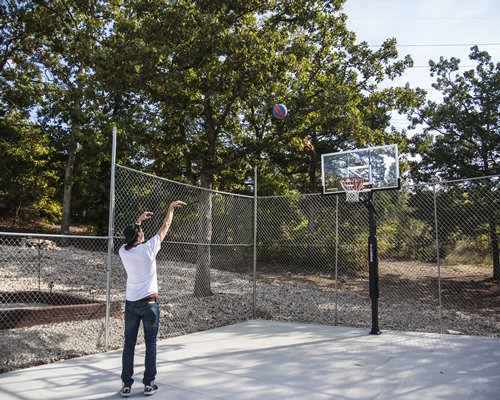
[462, 134]
[466, 124]
[48, 53]
[72, 100]
[212, 72]
[28, 173]
[20, 77]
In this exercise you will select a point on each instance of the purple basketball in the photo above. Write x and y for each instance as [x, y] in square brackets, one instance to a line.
[279, 111]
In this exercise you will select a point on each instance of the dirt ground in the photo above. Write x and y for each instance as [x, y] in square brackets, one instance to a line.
[463, 287]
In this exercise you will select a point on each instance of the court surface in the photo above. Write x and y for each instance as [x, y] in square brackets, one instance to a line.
[278, 360]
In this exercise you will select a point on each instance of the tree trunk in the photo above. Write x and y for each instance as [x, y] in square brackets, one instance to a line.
[202, 280]
[68, 184]
[66, 209]
[494, 250]
[311, 213]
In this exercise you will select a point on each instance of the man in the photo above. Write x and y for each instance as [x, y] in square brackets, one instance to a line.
[142, 303]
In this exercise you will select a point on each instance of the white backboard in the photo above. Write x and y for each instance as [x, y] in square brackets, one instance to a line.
[378, 166]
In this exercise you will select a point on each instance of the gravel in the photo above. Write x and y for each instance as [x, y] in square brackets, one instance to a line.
[284, 298]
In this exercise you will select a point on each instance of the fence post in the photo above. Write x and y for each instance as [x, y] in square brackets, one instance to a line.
[373, 263]
[111, 232]
[254, 306]
[436, 229]
[335, 318]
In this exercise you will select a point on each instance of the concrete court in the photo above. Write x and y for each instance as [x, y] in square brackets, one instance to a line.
[266, 360]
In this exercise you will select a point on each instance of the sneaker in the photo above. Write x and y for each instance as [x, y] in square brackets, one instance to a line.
[125, 391]
[150, 389]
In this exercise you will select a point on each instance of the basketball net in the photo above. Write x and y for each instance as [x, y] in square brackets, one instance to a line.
[352, 186]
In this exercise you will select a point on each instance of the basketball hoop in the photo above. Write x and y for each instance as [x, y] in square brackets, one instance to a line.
[352, 186]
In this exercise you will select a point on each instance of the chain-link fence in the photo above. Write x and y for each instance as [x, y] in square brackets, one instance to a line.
[436, 242]
[53, 292]
[437, 245]
[205, 267]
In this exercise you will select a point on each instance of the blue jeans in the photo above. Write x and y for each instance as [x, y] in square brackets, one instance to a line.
[149, 314]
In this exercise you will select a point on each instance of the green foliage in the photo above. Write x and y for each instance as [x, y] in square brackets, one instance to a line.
[462, 136]
[191, 85]
[49, 50]
[470, 252]
[402, 231]
[461, 140]
[212, 71]
[300, 232]
[28, 175]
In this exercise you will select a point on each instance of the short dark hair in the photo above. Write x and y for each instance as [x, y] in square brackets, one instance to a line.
[130, 233]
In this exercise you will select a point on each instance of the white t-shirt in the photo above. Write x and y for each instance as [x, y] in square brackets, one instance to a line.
[140, 264]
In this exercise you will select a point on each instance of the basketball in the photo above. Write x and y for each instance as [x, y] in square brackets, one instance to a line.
[279, 111]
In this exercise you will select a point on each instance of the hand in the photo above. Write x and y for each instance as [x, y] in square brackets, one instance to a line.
[177, 204]
[145, 215]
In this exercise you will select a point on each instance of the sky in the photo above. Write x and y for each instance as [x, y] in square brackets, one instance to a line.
[427, 30]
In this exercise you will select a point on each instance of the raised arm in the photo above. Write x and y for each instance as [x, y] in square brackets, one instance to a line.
[162, 232]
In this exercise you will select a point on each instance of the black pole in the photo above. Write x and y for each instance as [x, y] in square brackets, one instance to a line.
[373, 264]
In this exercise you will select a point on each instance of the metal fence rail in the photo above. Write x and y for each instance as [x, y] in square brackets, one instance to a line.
[436, 243]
